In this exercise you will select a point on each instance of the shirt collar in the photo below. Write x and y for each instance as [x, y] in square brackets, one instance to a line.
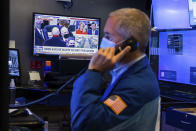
[121, 68]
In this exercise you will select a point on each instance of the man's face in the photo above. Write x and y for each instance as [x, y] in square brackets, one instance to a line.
[93, 26]
[38, 23]
[71, 42]
[64, 31]
[110, 30]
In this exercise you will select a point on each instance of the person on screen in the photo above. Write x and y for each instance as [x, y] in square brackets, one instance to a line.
[81, 28]
[93, 30]
[63, 23]
[64, 34]
[130, 102]
[71, 42]
[66, 23]
[55, 40]
[39, 32]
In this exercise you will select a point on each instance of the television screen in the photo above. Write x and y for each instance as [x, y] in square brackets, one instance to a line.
[177, 62]
[192, 12]
[171, 14]
[65, 35]
[13, 63]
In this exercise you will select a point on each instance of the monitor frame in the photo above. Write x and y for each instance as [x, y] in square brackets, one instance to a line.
[19, 66]
[56, 56]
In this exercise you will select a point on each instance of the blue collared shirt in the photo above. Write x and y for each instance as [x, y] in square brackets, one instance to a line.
[120, 69]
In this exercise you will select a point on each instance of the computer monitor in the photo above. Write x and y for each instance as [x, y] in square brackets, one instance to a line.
[175, 58]
[65, 35]
[170, 14]
[14, 63]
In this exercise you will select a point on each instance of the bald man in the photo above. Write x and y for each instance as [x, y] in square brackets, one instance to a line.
[55, 40]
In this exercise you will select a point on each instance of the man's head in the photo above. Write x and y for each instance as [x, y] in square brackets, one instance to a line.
[55, 32]
[71, 41]
[128, 22]
[64, 23]
[38, 23]
[64, 31]
[93, 26]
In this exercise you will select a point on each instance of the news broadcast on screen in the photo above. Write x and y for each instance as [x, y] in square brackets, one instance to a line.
[55, 35]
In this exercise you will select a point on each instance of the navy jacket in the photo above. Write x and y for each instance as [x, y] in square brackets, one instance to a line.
[90, 32]
[38, 38]
[138, 87]
[55, 41]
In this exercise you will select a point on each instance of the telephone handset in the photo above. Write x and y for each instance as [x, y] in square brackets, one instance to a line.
[129, 42]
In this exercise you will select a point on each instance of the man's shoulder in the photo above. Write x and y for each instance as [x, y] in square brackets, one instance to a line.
[140, 79]
[139, 85]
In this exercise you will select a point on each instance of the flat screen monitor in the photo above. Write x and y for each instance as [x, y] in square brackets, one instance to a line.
[65, 35]
[192, 12]
[177, 57]
[13, 63]
[171, 14]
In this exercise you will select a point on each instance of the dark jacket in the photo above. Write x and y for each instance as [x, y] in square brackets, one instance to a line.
[55, 41]
[139, 89]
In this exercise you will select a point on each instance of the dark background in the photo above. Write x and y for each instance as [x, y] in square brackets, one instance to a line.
[21, 25]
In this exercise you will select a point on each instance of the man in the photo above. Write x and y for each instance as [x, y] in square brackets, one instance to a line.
[39, 32]
[93, 30]
[130, 102]
[55, 40]
[71, 42]
[64, 34]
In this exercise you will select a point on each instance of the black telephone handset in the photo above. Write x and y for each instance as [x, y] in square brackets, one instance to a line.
[129, 42]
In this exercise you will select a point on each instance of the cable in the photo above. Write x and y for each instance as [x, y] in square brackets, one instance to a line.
[49, 95]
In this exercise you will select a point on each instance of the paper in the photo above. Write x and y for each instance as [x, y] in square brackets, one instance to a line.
[34, 75]
[11, 110]
[12, 44]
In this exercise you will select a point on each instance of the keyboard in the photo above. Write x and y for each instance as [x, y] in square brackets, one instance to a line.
[179, 94]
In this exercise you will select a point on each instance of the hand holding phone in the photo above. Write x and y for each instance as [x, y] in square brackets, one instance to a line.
[129, 42]
[104, 60]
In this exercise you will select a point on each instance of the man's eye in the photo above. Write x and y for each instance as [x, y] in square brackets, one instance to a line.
[107, 37]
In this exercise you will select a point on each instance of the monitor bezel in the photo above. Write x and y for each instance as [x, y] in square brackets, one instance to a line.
[56, 56]
[19, 66]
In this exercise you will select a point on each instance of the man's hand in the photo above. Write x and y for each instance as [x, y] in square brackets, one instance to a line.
[104, 60]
